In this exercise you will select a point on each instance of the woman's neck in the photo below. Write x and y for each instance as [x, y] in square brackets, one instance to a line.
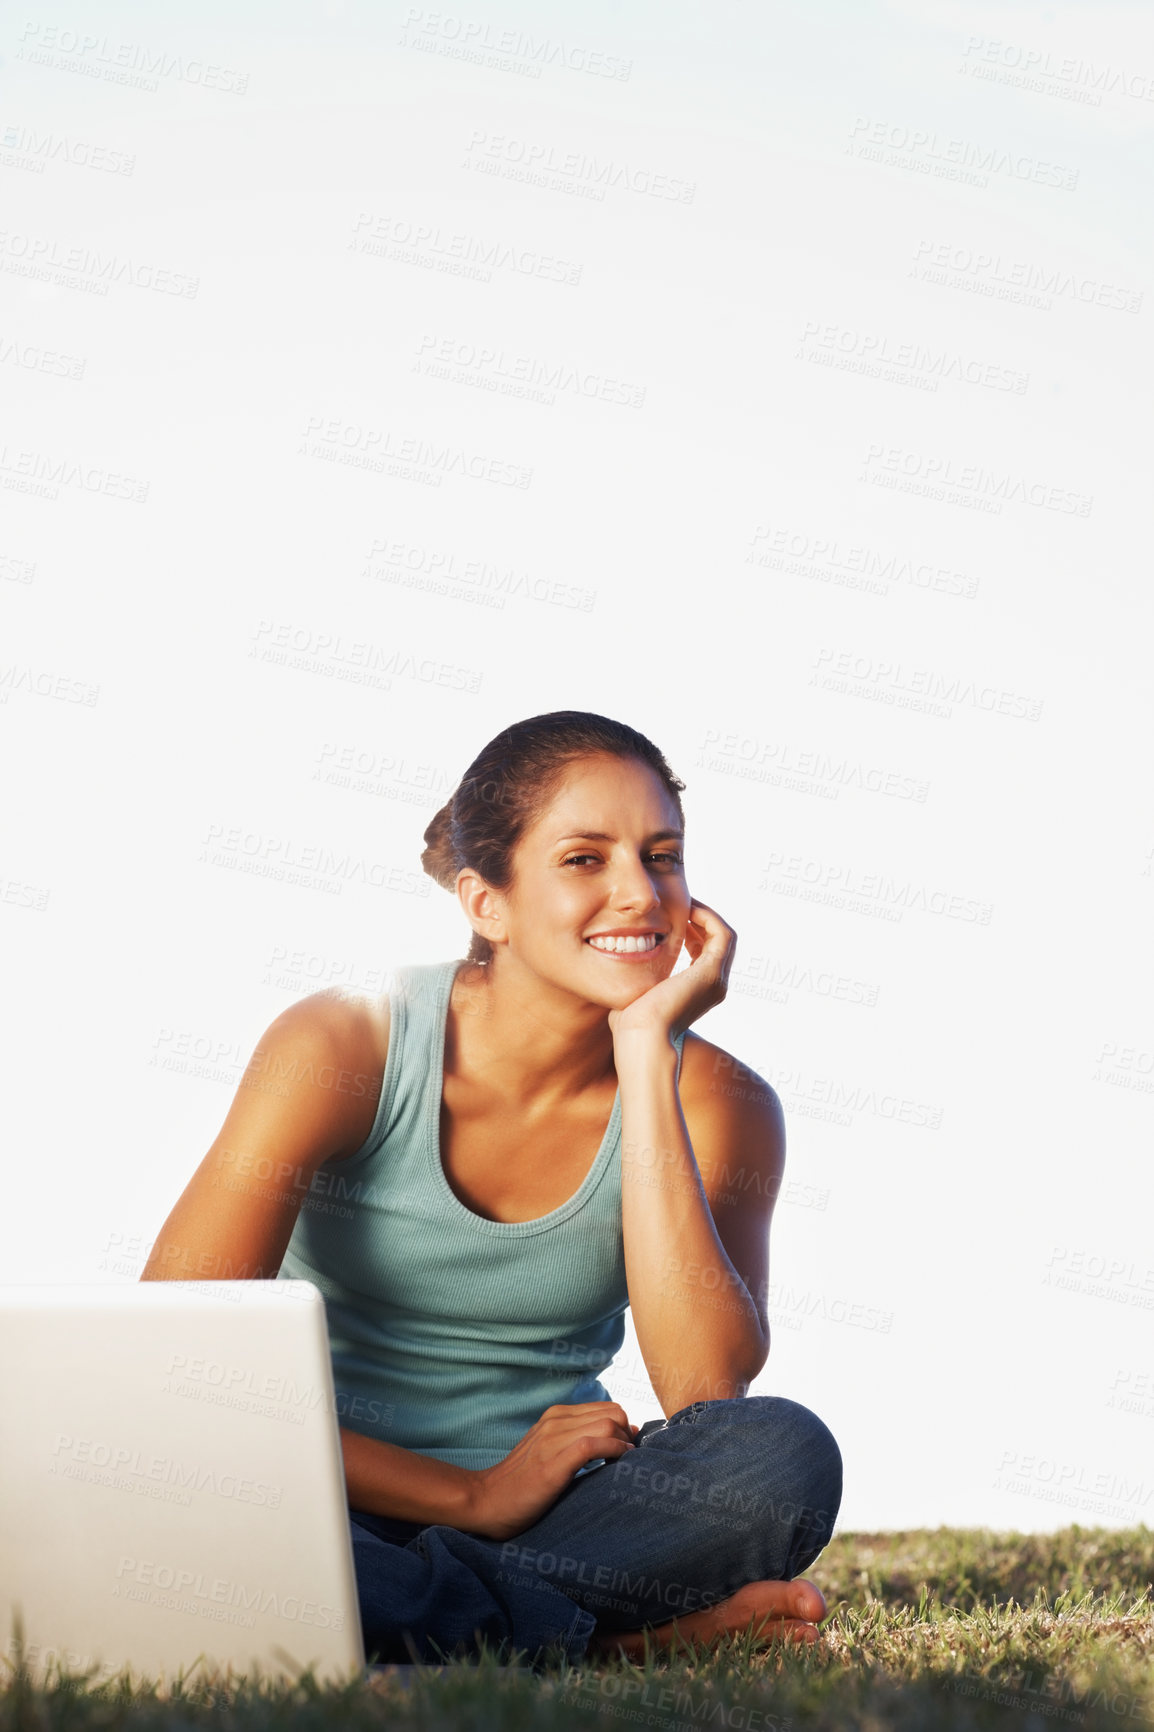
[529, 1040]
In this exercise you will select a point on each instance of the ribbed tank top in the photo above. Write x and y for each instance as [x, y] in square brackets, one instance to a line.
[451, 1334]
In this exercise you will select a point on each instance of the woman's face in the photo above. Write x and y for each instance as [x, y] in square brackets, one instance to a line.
[607, 856]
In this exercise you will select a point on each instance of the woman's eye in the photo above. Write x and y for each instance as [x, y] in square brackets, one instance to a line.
[575, 859]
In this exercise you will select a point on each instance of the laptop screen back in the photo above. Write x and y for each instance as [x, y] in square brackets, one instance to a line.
[171, 1481]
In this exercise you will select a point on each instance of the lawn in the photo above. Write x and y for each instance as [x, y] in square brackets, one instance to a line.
[951, 1628]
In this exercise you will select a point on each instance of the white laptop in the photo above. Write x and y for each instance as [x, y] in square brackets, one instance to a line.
[171, 1481]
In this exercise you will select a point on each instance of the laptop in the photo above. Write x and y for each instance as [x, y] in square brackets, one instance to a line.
[172, 1490]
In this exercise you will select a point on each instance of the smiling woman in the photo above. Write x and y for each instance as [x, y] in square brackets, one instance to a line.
[544, 1146]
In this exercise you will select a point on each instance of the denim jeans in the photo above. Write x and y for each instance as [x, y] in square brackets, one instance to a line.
[722, 1493]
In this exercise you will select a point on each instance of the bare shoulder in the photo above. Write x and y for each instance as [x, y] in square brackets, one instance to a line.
[714, 1074]
[339, 1023]
[728, 1107]
[330, 1046]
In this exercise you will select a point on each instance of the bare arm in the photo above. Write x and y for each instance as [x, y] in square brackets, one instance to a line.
[387, 1480]
[309, 1094]
[696, 1251]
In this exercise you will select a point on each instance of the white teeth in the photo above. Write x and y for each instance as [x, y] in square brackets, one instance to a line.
[625, 944]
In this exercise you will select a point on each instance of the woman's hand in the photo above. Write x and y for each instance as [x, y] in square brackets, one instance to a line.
[512, 1494]
[669, 1007]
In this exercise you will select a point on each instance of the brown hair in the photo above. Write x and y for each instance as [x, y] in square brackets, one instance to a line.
[508, 786]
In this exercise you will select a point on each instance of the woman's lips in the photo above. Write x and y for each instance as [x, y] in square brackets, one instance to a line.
[629, 955]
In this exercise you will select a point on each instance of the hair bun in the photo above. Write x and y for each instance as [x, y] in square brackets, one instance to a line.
[439, 857]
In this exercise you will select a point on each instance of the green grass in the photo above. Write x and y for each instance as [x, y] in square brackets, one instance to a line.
[952, 1629]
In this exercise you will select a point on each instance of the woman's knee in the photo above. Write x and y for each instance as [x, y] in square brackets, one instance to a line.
[815, 1478]
[792, 1425]
[803, 1439]
[802, 1467]
[796, 1419]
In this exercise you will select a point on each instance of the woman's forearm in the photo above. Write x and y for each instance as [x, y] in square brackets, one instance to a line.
[384, 1479]
[694, 1348]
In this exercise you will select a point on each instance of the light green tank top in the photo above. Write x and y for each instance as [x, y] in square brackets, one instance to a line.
[452, 1334]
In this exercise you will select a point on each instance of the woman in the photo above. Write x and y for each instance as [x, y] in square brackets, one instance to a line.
[481, 1169]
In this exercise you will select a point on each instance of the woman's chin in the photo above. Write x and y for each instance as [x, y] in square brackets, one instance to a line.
[623, 983]
[627, 992]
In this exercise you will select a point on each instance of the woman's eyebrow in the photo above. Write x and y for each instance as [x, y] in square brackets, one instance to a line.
[600, 836]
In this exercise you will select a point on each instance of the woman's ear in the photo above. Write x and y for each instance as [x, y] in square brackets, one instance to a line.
[481, 905]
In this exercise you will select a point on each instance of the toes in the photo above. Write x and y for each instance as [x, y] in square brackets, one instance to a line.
[798, 1600]
[766, 1631]
[788, 1630]
[806, 1601]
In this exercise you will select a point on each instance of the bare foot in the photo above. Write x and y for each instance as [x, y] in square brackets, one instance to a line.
[777, 1612]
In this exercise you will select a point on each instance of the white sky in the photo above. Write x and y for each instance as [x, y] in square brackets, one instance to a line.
[859, 274]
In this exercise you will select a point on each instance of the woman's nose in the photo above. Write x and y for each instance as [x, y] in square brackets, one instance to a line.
[634, 887]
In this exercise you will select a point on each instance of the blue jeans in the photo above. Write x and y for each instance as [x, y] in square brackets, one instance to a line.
[722, 1493]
